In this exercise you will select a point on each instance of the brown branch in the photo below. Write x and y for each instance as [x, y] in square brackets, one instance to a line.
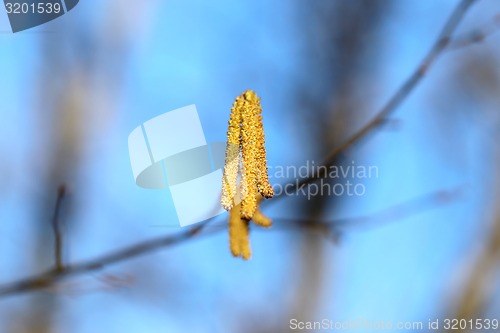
[47, 279]
[477, 35]
[477, 290]
[56, 226]
[395, 101]
[397, 212]
[51, 277]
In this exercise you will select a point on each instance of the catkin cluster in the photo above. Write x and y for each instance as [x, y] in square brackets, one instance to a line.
[245, 156]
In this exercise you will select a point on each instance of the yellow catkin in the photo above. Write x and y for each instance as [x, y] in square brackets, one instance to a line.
[261, 220]
[232, 160]
[230, 175]
[249, 140]
[246, 252]
[239, 241]
[234, 231]
[264, 187]
[245, 135]
[244, 186]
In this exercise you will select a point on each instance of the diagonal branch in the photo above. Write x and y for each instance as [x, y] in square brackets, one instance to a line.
[395, 101]
[477, 35]
[397, 212]
[56, 226]
[49, 278]
[477, 291]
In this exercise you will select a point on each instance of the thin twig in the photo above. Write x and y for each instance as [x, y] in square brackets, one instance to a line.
[477, 35]
[397, 212]
[395, 101]
[49, 278]
[478, 290]
[56, 226]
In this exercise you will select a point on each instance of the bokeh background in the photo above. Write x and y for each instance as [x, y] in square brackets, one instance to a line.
[73, 89]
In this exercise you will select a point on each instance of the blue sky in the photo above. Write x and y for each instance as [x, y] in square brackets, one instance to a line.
[175, 53]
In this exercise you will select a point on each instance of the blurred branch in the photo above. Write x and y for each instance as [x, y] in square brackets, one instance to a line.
[476, 293]
[441, 43]
[57, 229]
[48, 278]
[51, 277]
[400, 211]
[477, 35]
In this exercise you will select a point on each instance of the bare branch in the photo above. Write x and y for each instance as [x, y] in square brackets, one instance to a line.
[50, 277]
[330, 229]
[395, 101]
[58, 238]
[397, 212]
[476, 293]
[477, 35]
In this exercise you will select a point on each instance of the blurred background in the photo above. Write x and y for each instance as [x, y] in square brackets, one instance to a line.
[73, 89]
